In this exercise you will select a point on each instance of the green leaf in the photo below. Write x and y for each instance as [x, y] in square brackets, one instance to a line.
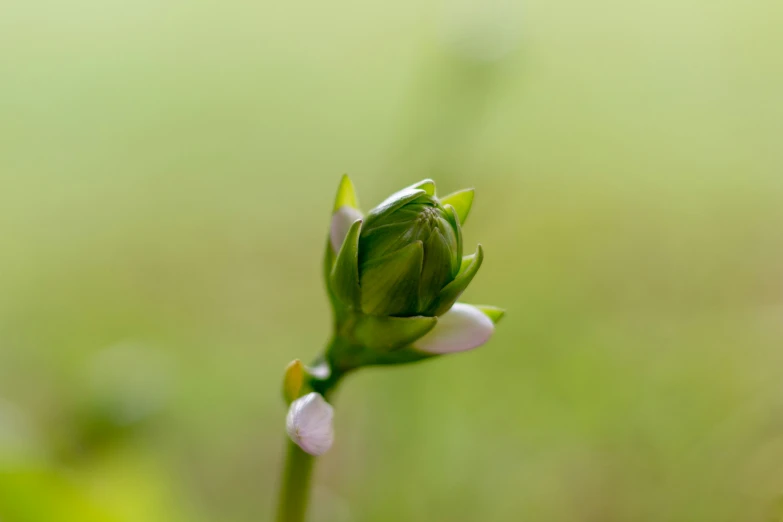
[393, 202]
[390, 285]
[426, 185]
[466, 261]
[453, 290]
[389, 333]
[461, 201]
[346, 194]
[345, 274]
[493, 312]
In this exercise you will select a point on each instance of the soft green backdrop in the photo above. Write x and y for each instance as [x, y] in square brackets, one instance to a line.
[167, 170]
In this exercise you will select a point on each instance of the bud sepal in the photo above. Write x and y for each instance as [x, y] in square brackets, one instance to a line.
[385, 334]
[462, 201]
[344, 279]
[293, 380]
[449, 295]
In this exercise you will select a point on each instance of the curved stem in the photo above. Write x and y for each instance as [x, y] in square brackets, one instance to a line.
[295, 488]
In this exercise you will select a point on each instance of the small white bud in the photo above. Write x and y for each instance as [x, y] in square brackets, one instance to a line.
[464, 327]
[342, 219]
[309, 424]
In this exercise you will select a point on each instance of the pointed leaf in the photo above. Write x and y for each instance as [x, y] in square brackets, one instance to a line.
[493, 312]
[463, 327]
[346, 195]
[466, 261]
[389, 333]
[426, 185]
[345, 274]
[328, 265]
[293, 380]
[393, 202]
[461, 201]
[449, 295]
[455, 219]
[342, 219]
[390, 285]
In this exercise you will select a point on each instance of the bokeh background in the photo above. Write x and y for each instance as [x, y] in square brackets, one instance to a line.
[167, 176]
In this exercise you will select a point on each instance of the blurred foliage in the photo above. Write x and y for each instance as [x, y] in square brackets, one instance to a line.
[167, 174]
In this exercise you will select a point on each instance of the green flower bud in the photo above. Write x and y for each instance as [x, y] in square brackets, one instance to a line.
[410, 248]
[393, 272]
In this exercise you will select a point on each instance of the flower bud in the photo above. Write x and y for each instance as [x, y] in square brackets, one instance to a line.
[309, 424]
[404, 258]
[462, 328]
[394, 272]
[410, 248]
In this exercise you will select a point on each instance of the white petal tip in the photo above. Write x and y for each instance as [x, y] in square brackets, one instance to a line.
[309, 424]
[320, 371]
[342, 219]
[462, 328]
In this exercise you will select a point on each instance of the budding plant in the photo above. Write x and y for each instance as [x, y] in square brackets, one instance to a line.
[393, 277]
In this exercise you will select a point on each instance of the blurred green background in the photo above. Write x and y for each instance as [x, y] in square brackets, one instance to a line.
[168, 170]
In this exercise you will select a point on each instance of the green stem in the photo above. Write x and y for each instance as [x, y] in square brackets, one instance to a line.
[295, 489]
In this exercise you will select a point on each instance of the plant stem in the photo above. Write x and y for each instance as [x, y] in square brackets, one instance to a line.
[295, 489]
[295, 486]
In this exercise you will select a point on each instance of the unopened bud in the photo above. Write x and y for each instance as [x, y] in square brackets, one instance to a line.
[309, 424]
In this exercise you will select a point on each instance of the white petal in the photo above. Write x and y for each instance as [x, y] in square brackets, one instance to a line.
[320, 371]
[464, 327]
[342, 219]
[309, 424]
